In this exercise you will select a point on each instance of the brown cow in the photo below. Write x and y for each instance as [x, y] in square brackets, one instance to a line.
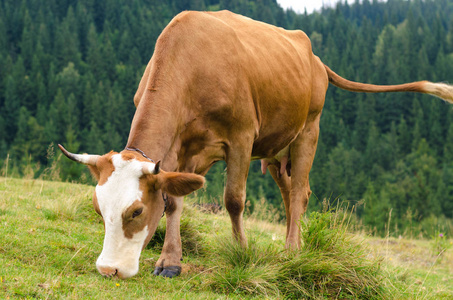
[219, 86]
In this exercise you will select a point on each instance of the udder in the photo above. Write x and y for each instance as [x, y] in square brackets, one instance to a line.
[281, 159]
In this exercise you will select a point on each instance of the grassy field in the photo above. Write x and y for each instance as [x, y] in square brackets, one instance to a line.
[50, 238]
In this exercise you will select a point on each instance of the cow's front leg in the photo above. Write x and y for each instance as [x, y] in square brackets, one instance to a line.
[169, 263]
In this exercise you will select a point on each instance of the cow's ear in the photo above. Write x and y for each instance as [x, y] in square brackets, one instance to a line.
[179, 184]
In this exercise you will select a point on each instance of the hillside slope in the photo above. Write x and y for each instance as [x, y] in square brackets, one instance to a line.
[51, 237]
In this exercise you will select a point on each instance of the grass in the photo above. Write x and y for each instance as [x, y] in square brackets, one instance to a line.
[331, 264]
[51, 237]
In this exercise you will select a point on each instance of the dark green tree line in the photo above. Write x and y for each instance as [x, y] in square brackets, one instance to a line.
[69, 70]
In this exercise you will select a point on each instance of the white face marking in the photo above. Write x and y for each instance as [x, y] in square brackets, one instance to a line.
[114, 197]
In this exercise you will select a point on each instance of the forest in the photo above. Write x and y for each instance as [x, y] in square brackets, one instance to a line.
[69, 70]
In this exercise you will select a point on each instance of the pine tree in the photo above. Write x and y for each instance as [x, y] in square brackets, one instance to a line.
[93, 141]
[20, 144]
[424, 179]
[29, 137]
[3, 34]
[124, 48]
[51, 132]
[66, 40]
[26, 44]
[448, 145]
[135, 60]
[445, 191]
[373, 149]
[68, 80]
[58, 107]
[435, 135]
[108, 55]
[365, 113]
[98, 11]
[10, 110]
[111, 138]
[94, 57]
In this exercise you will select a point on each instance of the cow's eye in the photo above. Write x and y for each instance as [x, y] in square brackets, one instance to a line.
[137, 212]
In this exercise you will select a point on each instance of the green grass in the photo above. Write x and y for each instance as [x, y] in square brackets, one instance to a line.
[50, 238]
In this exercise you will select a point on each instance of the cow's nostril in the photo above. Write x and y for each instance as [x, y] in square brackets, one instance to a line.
[108, 271]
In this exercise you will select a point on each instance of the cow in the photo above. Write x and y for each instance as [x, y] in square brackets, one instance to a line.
[219, 86]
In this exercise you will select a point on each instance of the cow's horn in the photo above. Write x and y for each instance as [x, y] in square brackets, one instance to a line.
[151, 168]
[86, 159]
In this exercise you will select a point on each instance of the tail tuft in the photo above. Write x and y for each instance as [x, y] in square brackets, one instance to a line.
[441, 90]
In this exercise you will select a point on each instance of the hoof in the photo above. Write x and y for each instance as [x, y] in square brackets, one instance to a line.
[169, 272]
[157, 271]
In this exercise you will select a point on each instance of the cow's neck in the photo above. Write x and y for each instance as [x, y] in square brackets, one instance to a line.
[164, 109]
[155, 128]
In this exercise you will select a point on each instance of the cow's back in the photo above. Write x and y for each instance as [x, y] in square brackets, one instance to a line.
[245, 75]
[279, 67]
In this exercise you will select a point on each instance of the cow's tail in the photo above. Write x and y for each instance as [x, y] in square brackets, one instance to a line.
[441, 90]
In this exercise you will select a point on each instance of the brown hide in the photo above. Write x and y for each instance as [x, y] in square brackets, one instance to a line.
[221, 86]
[217, 78]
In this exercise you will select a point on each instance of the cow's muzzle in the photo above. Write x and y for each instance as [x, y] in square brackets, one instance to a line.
[107, 271]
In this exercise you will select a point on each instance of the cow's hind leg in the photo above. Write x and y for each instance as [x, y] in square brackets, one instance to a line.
[302, 154]
[169, 263]
[238, 162]
[284, 183]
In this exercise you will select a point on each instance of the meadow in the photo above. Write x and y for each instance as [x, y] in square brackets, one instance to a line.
[51, 237]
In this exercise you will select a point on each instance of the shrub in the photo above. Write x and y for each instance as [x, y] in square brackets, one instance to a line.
[332, 263]
[252, 270]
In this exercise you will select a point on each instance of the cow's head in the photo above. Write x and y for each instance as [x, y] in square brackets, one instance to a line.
[129, 198]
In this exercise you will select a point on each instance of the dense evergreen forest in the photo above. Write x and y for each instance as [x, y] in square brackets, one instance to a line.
[69, 70]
